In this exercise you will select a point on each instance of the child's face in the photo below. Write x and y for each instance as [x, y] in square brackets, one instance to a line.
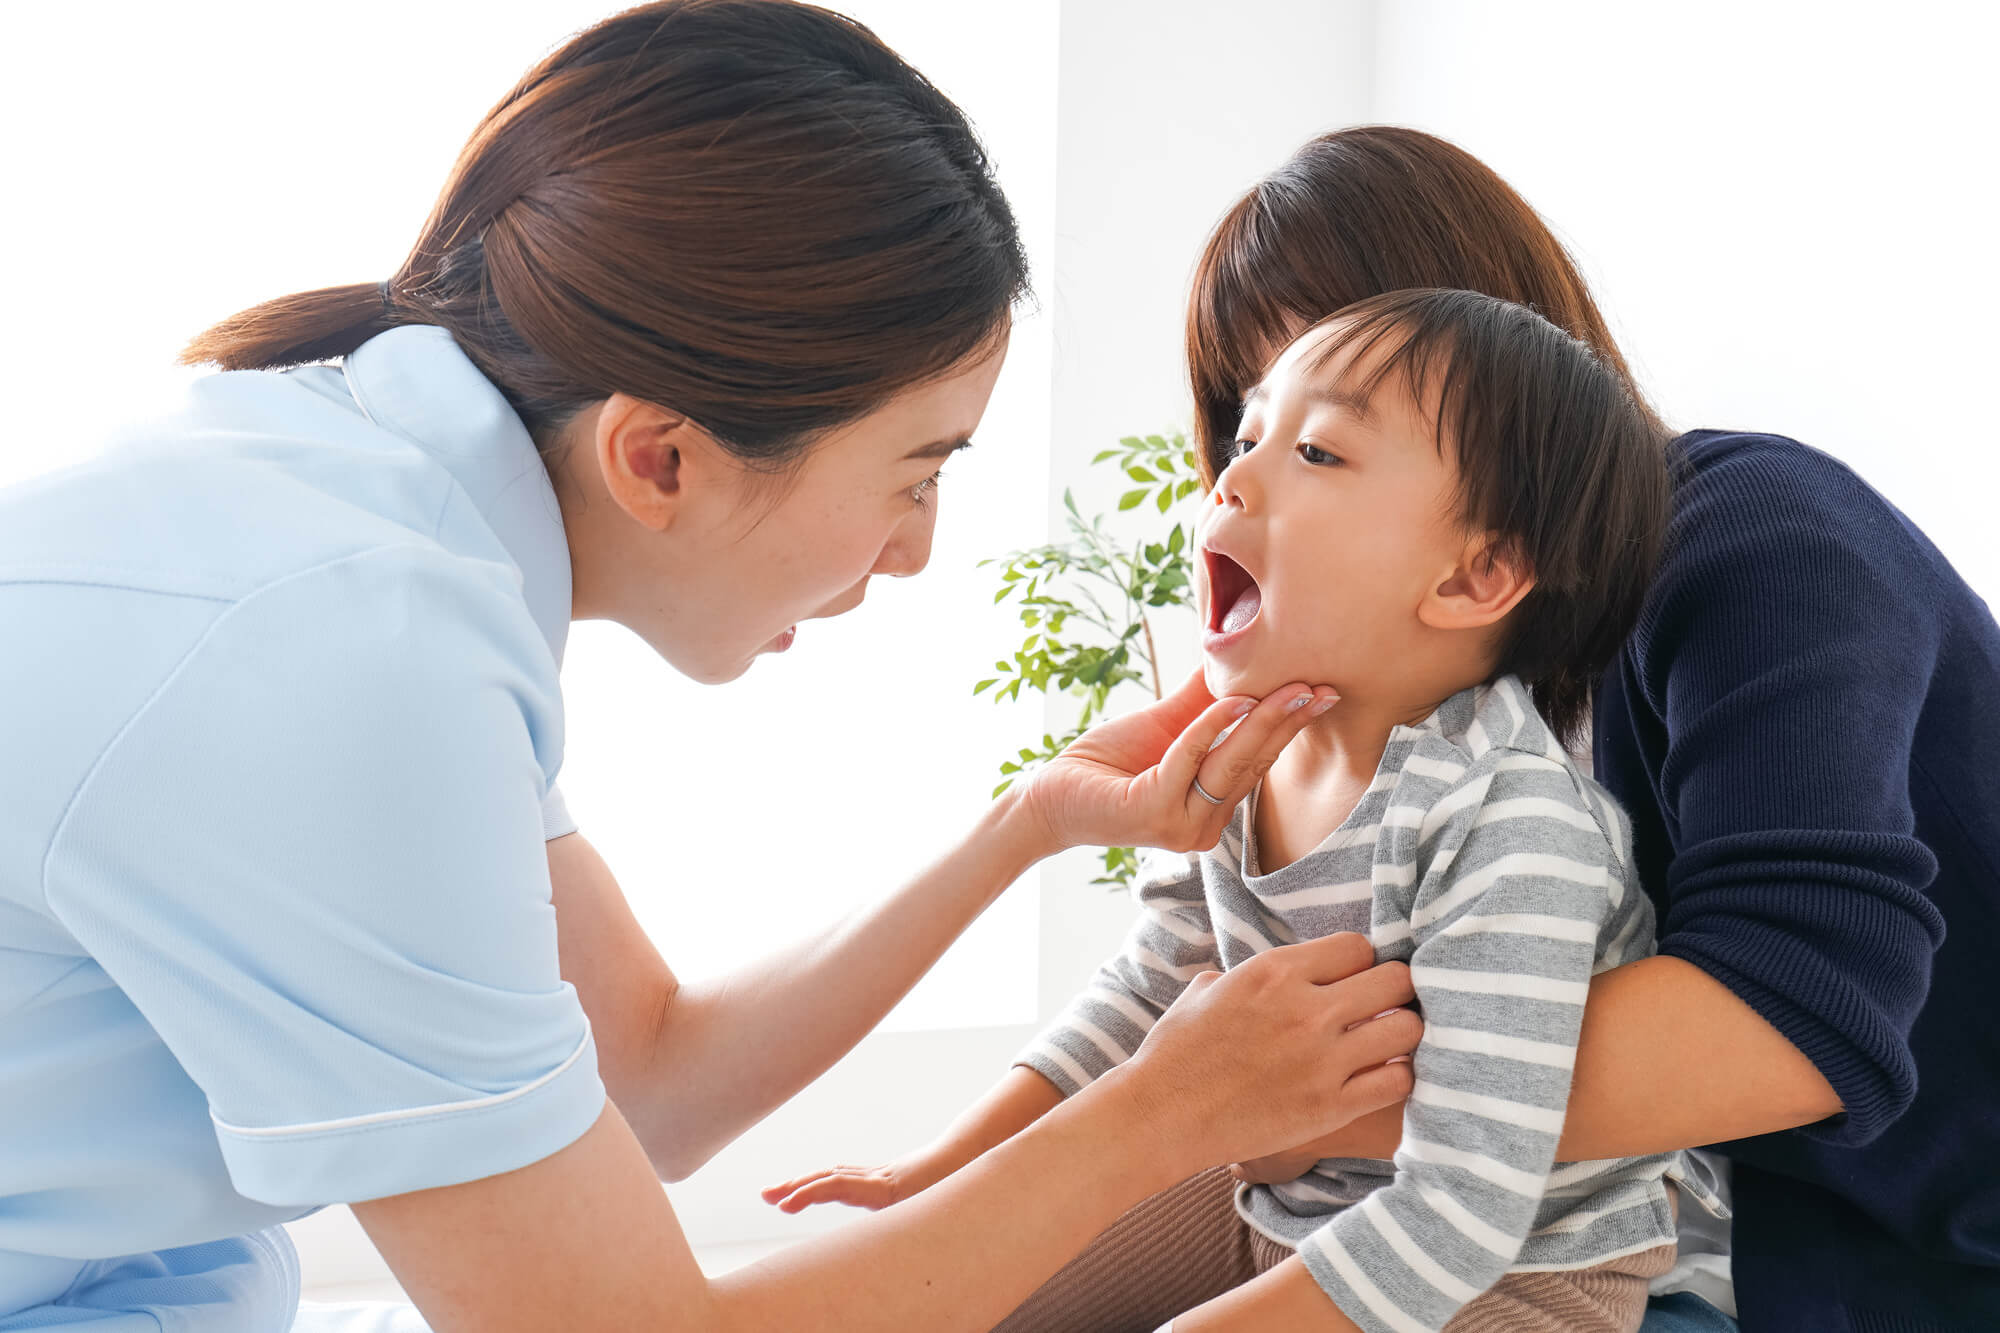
[1324, 536]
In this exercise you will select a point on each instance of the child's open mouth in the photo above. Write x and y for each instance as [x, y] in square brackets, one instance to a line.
[1233, 597]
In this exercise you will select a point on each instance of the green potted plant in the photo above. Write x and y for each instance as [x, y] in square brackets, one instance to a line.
[1085, 602]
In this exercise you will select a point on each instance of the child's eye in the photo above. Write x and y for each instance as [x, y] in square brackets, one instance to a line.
[1241, 447]
[1319, 457]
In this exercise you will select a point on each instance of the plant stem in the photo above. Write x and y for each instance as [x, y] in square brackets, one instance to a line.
[1152, 655]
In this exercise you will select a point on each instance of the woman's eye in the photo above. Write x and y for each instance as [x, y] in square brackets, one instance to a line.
[920, 494]
[1318, 457]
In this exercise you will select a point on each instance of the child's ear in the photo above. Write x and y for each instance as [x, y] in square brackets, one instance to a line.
[1489, 580]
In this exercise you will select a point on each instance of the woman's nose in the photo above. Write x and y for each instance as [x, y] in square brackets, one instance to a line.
[908, 549]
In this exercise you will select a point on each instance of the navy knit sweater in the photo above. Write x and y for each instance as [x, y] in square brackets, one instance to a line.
[1805, 727]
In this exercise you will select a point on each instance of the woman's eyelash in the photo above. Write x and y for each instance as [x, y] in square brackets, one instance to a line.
[920, 493]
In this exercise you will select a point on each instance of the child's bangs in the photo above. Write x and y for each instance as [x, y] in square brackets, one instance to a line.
[1411, 336]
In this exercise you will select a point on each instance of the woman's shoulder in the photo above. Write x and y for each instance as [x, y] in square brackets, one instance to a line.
[1751, 468]
[1793, 509]
[1776, 547]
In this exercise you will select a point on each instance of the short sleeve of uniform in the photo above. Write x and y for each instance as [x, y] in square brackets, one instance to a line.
[314, 861]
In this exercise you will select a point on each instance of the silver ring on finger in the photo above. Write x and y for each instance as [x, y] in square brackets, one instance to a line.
[1202, 792]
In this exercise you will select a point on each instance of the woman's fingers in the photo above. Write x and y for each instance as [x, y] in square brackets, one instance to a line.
[1380, 1040]
[1373, 1089]
[1327, 959]
[1177, 771]
[1229, 770]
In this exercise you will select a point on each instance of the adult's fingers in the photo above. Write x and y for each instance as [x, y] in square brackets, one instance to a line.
[1187, 702]
[1381, 988]
[1183, 758]
[1327, 958]
[1232, 768]
[1373, 1089]
[1380, 1040]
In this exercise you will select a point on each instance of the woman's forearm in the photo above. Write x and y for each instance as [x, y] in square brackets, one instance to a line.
[1669, 1058]
[738, 1047]
[958, 1257]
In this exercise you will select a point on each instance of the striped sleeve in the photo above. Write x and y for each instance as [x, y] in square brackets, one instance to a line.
[1505, 934]
[1169, 944]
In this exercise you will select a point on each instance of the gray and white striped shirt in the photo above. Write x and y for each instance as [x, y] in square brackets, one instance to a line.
[1484, 858]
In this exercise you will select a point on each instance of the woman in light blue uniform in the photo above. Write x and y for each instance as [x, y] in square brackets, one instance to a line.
[291, 913]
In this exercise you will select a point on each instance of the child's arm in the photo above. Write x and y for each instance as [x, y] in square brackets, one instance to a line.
[1101, 1029]
[1505, 939]
[1018, 1100]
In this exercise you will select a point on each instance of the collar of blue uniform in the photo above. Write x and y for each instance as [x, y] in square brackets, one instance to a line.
[416, 382]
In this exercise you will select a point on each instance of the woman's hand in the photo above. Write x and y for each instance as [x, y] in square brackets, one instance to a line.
[1281, 1051]
[1130, 781]
[1377, 1134]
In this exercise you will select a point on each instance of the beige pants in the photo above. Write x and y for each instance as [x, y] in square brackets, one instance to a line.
[1187, 1245]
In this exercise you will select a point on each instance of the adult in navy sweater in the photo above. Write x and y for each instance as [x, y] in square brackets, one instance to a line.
[1806, 730]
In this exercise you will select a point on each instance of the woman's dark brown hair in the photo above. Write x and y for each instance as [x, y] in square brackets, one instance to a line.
[751, 212]
[1352, 215]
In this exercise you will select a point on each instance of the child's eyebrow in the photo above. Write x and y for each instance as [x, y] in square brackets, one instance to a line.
[1333, 395]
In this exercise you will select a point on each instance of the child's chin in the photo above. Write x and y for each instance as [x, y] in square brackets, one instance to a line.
[1223, 681]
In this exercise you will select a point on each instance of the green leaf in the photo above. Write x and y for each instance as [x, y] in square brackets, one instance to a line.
[1129, 500]
[1177, 539]
[1131, 442]
[981, 686]
[1158, 443]
[1187, 488]
[1001, 596]
[1166, 499]
[1140, 474]
[1104, 454]
[1002, 787]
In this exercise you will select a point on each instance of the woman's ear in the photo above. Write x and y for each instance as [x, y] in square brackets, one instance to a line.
[649, 458]
[1489, 580]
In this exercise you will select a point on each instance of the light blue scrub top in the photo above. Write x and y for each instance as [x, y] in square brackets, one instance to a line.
[279, 727]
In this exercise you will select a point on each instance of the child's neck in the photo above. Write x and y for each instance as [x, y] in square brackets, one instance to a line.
[1320, 777]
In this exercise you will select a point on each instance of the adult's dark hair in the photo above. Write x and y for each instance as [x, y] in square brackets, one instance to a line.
[1555, 457]
[1354, 214]
[749, 211]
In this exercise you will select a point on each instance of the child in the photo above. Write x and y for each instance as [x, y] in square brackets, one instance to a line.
[1448, 509]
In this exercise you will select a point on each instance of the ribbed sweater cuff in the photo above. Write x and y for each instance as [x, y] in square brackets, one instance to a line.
[1866, 1090]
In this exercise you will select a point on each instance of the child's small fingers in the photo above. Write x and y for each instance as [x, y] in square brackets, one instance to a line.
[772, 1193]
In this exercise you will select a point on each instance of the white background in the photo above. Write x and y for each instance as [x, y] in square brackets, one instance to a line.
[1786, 210]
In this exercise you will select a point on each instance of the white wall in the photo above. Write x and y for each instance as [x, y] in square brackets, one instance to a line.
[1787, 210]
[1167, 110]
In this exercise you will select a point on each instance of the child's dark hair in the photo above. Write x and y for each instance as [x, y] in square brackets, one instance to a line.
[1555, 458]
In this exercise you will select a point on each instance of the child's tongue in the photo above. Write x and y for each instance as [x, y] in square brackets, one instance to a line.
[1243, 611]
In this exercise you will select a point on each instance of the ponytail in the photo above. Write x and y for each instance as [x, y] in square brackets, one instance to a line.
[295, 330]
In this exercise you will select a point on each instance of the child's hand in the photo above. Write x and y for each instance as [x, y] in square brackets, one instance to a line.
[870, 1187]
